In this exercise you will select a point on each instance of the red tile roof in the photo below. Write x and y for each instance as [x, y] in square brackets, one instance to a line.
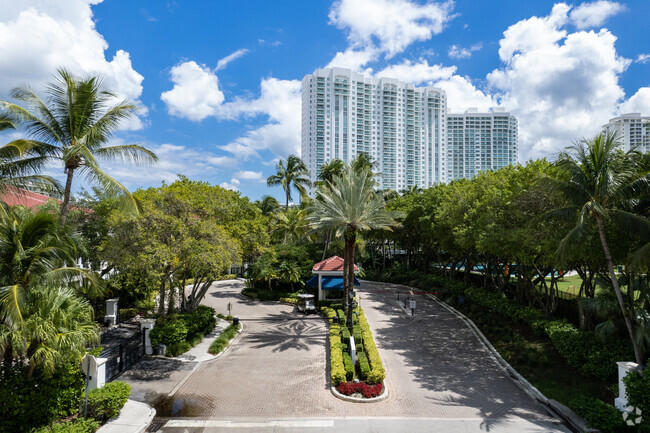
[334, 263]
[22, 197]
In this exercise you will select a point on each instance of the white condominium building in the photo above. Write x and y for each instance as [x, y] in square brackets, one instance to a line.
[404, 128]
[399, 126]
[480, 141]
[633, 131]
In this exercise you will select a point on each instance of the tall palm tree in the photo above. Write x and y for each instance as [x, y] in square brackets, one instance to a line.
[364, 163]
[289, 272]
[73, 125]
[328, 172]
[291, 226]
[350, 206]
[293, 173]
[268, 205]
[601, 183]
[18, 164]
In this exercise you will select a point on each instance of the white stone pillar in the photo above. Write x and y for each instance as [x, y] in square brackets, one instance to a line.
[111, 311]
[146, 325]
[320, 287]
[623, 369]
[95, 369]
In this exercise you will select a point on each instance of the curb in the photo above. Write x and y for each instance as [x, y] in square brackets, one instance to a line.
[152, 414]
[198, 364]
[381, 397]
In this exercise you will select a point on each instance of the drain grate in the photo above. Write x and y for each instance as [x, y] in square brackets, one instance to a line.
[156, 425]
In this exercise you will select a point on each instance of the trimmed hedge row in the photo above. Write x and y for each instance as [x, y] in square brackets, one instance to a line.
[79, 425]
[349, 366]
[364, 366]
[337, 368]
[585, 351]
[224, 339]
[377, 372]
[637, 388]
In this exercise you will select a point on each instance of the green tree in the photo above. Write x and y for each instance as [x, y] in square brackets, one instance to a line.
[601, 183]
[289, 272]
[291, 226]
[293, 173]
[57, 326]
[268, 205]
[74, 125]
[350, 206]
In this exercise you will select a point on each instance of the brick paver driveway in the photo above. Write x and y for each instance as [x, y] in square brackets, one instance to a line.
[436, 368]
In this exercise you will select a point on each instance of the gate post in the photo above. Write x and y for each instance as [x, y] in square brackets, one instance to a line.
[111, 312]
[146, 325]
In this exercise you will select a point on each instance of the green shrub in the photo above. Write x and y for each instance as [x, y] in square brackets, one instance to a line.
[377, 372]
[358, 348]
[105, 403]
[349, 367]
[336, 306]
[78, 425]
[341, 315]
[356, 330]
[224, 339]
[42, 399]
[364, 366]
[599, 414]
[200, 321]
[127, 313]
[292, 301]
[345, 334]
[170, 332]
[637, 389]
[337, 369]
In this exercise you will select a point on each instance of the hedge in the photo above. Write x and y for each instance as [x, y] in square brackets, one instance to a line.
[349, 367]
[600, 415]
[377, 372]
[224, 339]
[78, 425]
[181, 332]
[106, 402]
[637, 389]
[364, 366]
[41, 400]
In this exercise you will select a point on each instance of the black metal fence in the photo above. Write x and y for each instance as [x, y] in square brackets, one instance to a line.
[122, 355]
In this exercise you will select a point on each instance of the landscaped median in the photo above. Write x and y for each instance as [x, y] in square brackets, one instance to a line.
[223, 340]
[362, 381]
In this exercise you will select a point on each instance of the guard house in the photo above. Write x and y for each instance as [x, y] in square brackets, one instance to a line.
[328, 277]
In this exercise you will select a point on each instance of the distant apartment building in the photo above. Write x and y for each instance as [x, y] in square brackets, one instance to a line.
[480, 141]
[402, 127]
[633, 131]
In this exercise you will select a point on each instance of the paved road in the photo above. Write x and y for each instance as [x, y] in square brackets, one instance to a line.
[439, 376]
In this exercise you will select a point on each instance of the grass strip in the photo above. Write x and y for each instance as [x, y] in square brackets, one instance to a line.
[223, 340]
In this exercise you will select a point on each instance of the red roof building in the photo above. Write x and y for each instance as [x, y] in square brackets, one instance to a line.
[333, 264]
[23, 197]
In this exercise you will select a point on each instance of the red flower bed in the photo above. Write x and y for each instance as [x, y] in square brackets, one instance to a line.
[366, 390]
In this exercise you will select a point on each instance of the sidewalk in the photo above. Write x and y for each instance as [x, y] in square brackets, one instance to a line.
[199, 353]
[134, 417]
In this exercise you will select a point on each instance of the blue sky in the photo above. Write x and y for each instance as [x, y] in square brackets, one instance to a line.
[219, 82]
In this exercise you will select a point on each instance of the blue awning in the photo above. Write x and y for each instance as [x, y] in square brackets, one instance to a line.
[330, 283]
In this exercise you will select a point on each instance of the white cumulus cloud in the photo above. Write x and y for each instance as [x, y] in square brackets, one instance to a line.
[561, 86]
[643, 58]
[391, 24]
[594, 14]
[249, 175]
[233, 185]
[37, 37]
[456, 52]
[419, 72]
[196, 94]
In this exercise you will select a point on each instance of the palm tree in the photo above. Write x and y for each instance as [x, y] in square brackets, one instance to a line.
[73, 125]
[58, 325]
[33, 253]
[18, 163]
[600, 182]
[268, 205]
[291, 226]
[328, 172]
[293, 173]
[363, 162]
[289, 272]
[350, 206]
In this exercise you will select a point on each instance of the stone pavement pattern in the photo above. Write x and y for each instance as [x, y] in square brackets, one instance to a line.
[436, 368]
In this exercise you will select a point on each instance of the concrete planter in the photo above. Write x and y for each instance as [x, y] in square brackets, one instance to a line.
[380, 397]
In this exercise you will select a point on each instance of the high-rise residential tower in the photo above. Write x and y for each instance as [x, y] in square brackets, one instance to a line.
[633, 131]
[399, 126]
[480, 141]
[405, 129]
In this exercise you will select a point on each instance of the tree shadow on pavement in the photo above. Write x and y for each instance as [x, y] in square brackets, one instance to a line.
[283, 331]
[152, 369]
[446, 358]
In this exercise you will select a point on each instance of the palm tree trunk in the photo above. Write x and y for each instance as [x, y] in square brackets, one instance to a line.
[348, 274]
[66, 197]
[286, 206]
[328, 239]
[617, 290]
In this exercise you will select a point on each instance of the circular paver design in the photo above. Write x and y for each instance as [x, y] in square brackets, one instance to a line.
[435, 365]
